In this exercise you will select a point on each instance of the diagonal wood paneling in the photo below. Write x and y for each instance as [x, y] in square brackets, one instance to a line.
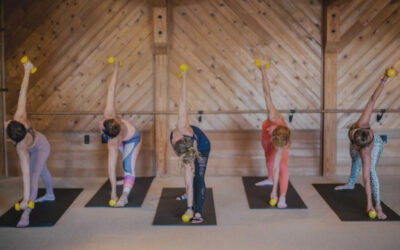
[70, 47]
[370, 43]
[220, 40]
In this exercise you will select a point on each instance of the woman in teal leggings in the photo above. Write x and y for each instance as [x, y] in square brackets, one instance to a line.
[365, 151]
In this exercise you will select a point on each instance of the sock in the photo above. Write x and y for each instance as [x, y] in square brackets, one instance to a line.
[282, 202]
[347, 186]
[266, 182]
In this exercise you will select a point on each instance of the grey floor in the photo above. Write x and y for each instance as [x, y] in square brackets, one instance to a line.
[318, 227]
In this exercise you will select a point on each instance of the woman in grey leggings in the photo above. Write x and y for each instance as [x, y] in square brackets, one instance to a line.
[33, 150]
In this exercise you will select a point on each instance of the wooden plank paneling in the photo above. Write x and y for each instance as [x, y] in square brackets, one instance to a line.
[70, 48]
[71, 157]
[161, 84]
[331, 33]
[219, 40]
[370, 43]
[240, 153]
[70, 41]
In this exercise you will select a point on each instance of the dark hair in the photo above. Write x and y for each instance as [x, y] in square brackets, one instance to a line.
[185, 150]
[16, 131]
[281, 136]
[362, 137]
[111, 128]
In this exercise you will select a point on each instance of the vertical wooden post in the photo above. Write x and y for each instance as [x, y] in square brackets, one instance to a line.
[3, 142]
[331, 39]
[161, 82]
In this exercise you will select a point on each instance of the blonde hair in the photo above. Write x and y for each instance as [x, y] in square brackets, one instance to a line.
[184, 148]
[281, 136]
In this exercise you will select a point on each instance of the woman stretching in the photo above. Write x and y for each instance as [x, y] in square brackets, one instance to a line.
[365, 151]
[193, 148]
[119, 134]
[275, 139]
[33, 151]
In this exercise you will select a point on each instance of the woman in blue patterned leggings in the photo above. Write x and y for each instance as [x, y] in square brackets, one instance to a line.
[365, 151]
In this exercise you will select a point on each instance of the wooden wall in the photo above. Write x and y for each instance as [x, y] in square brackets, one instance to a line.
[69, 41]
[219, 40]
[370, 43]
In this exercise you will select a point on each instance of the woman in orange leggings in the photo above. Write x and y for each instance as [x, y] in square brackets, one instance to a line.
[275, 140]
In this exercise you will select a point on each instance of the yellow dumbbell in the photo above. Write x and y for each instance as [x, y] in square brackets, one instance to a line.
[390, 72]
[186, 218]
[17, 205]
[257, 63]
[111, 60]
[272, 202]
[372, 214]
[183, 67]
[112, 203]
[25, 60]
[180, 75]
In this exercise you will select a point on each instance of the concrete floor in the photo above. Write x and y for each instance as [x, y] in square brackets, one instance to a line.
[238, 227]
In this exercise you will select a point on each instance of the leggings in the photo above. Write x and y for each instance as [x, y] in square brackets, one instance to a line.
[199, 186]
[38, 156]
[128, 162]
[269, 151]
[357, 164]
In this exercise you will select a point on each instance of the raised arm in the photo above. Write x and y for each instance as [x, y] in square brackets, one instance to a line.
[183, 121]
[20, 114]
[366, 114]
[110, 111]
[273, 113]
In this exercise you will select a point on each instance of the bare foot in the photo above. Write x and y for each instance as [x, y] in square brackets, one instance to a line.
[197, 219]
[183, 197]
[266, 182]
[24, 221]
[46, 197]
[123, 200]
[380, 214]
[345, 187]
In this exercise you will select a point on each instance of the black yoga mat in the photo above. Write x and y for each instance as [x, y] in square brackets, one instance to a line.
[170, 210]
[350, 205]
[45, 214]
[135, 199]
[258, 197]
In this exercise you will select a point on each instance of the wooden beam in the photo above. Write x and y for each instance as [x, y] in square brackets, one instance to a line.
[331, 39]
[160, 44]
[3, 143]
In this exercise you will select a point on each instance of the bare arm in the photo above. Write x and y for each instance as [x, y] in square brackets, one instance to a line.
[112, 164]
[189, 183]
[273, 113]
[183, 121]
[110, 111]
[366, 166]
[20, 114]
[366, 114]
[277, 162]
[23, 154]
